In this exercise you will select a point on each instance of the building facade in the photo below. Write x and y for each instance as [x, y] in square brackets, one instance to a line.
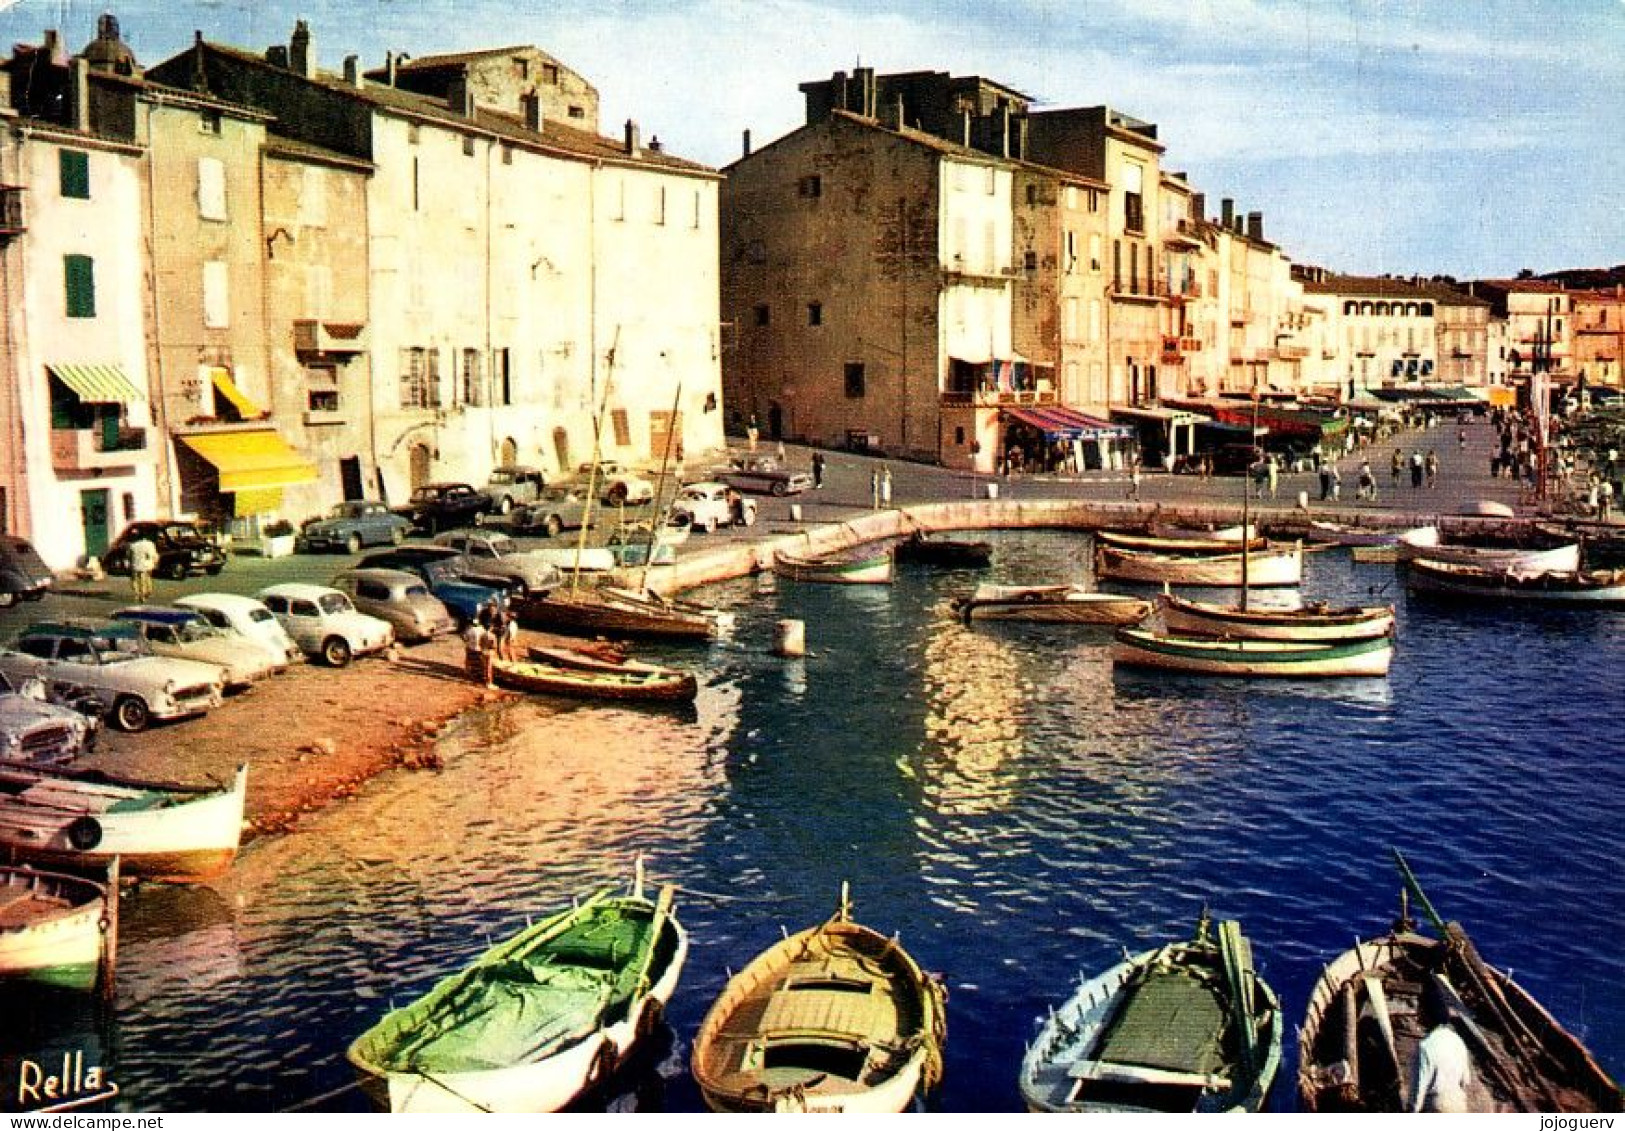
[1599, 335]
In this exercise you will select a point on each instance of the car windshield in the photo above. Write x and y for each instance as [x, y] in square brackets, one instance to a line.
[343, 510]
[425, 494]
[692, 495]
[502, 477]
[260, 616]
[192, 631]
[333, 603]
[438, 573]
[412, 591]
[504, 546]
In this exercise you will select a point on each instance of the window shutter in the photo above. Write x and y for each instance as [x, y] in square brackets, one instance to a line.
[211, 188]
[79, 274]
[216, 295]
[75, 170]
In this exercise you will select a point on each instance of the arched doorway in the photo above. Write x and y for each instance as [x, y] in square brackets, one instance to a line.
[419, 473]
[775, 421]
[510, 452]
[561, 449]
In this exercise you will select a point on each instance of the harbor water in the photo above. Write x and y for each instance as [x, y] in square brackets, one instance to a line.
[1014, 808]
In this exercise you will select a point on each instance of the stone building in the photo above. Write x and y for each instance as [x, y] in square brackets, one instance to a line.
[1599, 335]
[1384, 330]
[1539, 324]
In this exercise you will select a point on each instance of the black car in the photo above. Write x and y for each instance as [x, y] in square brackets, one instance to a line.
[22, 572]
[443, 506]
[183, 549]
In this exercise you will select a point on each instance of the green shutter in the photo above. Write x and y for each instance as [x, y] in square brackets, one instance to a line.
[79, 273]
[75, 168]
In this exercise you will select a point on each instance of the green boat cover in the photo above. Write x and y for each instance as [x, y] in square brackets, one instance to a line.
[1173, 1022]
[545, 987]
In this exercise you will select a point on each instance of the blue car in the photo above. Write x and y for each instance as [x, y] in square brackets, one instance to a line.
[351, 525]
[438, 566]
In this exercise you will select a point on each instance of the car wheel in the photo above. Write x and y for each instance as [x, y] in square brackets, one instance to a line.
[352, 544]
[554, 525]
[214, 570]
[397, 535]
[336, 652]
[7, 600]
[131, 714]
[780, 490]
[505, 506]
[616, 495]
[175, 571]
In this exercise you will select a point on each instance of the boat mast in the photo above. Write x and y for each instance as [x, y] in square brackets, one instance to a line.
[597, 451]
[659, 519]
[1246, 497]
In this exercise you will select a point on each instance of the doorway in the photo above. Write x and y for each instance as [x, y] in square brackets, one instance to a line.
[419, 470]
[93, 514]
[510, 453]
[350, 477]
[775, 421]
[561, 449]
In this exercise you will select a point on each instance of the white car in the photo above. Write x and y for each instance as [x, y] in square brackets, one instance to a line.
[185, 634]
[620, 486]
[34, 730]
[324, 623]
[245, 617]
[708, 506]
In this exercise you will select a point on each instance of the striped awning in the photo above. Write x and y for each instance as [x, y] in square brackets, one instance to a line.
[252, 461]
[98, 384]
[227, 388]
[1059, 422]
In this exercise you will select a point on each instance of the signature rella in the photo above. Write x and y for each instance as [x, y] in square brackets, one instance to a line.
[75, 1083]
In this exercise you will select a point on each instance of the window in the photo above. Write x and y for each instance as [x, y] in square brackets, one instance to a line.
[577, 112]
[420, 377]
[1030, 258]
[1094, 200]
[1117, 264]
[216, 295]
[1072, 197]
[1094, 252]
[1032, 194]
[211, 188]
[79, 278]
[815, 314]
[470, 383]
[208, 122]
[854, 379]
[501, 377]
[468, 147]
[74, 168]
[811, 186]
[507, 154]
[763, 314]
[550, 74]
[660, 206]
[696, 224]
[1071, 252]
[622, 426]
[411, 133]
[322, 388]
[1133, 202]
[959, 435]
[992, 180]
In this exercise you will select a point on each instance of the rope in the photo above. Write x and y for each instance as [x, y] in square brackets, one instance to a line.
[305, 1105]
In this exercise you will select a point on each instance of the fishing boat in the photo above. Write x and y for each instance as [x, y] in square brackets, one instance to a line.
[1190, 545]
[1051, 604]
[625, 685]
[603, 658]
[57, 930]
[536, 1020]
[1341, 534]
[948, 553]
[1538, 553]
[1288, 659]
[1231, 534]
[583, 611]
[839, 567]
[1187, 1027]
[590, 559]
[1360, 1036]
[1264, 569]
[838, 1018]
[85, 818]
[1598, 588]
[1315, 621]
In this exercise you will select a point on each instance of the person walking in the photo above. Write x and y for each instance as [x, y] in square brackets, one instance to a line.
[473, 650]
[143, 560]
[1432, 466]
[874, 489]
[1368, 482]
[818, 470]
[1337, 483]
[1325, 481]
[1397, 466]
[1417, 469]
[1133, 480]
[752, 435]
[885, 486]
[1272, 473]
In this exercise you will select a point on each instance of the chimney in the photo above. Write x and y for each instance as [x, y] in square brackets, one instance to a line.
[1198, 206]
[301, 51]
[352, 71]
[389, 67]
[1021, 138]
[460, 96]
[1227, 213]
[865, 78]
[532, 103]
[632, 142]
[1255, 226]
[745, 145]
[53, 46]
[655, 145]
[1004, 129]
[277, 55]
[896, 120]
[79, 92]
[964, 127]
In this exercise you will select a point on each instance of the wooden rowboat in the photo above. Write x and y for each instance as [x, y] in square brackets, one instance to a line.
[84, 818]
[1539, 553]
[1288, 659]
[609, 612]
[1264, 569]
[626, 685]
[948, 553]
[1593, 588]
[1189, 545]
[838, 1018]
[1051, 604]
[1312, 622]
[839, 567]
[608, 660]
[1339, 534]
[534, 1021]
[57, 930]
[1360, 1036]
[1187, 1027]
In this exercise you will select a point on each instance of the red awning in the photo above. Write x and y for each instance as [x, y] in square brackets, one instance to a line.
[1060, 422]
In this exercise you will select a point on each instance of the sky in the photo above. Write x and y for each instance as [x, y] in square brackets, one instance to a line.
[1473, 138]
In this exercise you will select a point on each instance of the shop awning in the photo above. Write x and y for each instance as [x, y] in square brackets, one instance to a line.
[1155, 415]
[98, 384]
[252, 461]
[1059, 422]
[240, 401]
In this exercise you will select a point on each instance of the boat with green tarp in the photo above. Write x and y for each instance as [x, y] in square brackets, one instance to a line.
[1187, 1027]
[536, 1020]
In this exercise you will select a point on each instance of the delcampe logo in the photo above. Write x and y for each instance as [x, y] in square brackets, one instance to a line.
[62, 1087]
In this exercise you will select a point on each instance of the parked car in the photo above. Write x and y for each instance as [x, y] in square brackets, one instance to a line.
[351, 525]
[244, 617]
[32, 729]
[709, 505]
[23, 574]
[558, 509]
[489, 554]
[441, 506]
[765, 475]
[619, 485]
[184, 548]
[324, 623]
[403, 599]
[111, 664]
[188, 635]
[509, 486]
[440, 568]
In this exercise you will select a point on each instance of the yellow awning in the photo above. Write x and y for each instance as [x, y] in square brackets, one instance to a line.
[252, 461]
[227, 388]
[257, 502]
[98, 384]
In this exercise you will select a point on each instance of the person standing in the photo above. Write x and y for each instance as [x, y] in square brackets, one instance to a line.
[1133, 480]
[874, 489]
[885, 486]
[752, 434]
[1368, 482]
[1396, 466]
[1416, 469]
[1432, 465]
[1325, 481]
[473, 649]
[818, 469]
[1337, 483]
[1272, 472]
[143, 560]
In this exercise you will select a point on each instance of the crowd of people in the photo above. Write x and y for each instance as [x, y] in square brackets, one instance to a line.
[492, 635]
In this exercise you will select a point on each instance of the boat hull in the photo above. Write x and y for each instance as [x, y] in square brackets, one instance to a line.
[1426, 543]
[1253, 658]
[1052, 604]
[591, 613]
[1189, 546]
[945, 553]
[1596, 589]
[54, 930]
[875, 569]
[627, 686]
[1182, 616]
[1266, 569]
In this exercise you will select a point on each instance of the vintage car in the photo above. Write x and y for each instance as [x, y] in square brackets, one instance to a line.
[35, 730]
[764, 475]
[110, 663]
[486, 553]
[558, 509]
[23, 574]
[618, 486]
[441, 569]
[184, 548]
[511, 486]
[186, 634]
[351, 525]
[710, 505]
[441, 506]
[324, 623]
[403, 599]
[244, 617]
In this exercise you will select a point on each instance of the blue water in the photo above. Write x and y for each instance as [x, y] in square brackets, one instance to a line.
[1016, 809]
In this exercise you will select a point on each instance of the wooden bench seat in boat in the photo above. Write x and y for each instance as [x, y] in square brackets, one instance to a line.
[1106, 1071]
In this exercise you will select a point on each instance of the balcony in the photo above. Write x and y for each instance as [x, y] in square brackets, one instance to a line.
[1291, 351]
[12, 221]
[95, 449]
[958, 272]
[329, 339]
[994, 398]
[1174, 348]
[1139, 290]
